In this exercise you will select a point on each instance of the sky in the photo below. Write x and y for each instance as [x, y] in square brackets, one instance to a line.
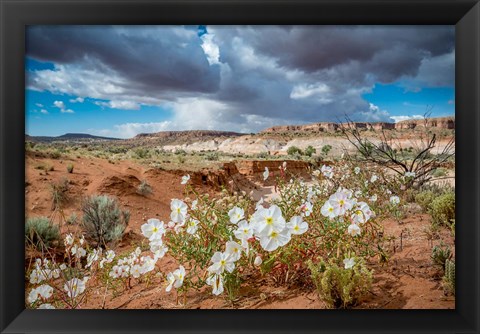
[118, 81]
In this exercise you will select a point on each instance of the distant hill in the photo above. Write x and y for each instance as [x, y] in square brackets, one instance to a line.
[180, 137]
[76, 137]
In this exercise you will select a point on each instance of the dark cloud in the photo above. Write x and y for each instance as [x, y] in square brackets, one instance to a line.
[245, 77]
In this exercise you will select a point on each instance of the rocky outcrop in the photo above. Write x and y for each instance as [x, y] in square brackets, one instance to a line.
[440, 122]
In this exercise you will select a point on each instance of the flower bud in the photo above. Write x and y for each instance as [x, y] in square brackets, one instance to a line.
[258, 261]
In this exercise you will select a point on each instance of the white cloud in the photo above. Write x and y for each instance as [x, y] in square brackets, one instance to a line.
[211, 49]
[61, 105]
[123, 105]
[78, 99]
[44, 111]
[320, 92]
[39, 105]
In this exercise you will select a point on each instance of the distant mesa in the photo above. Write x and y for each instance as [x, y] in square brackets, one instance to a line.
[189, 133]
[68, 137]
[439, 122]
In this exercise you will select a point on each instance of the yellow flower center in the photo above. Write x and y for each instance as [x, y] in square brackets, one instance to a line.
[222, 262]
[330, 209]
[274, 234]
[269, 220]
[342, 202]
[155, 230]
[296, 228]
[178, 210]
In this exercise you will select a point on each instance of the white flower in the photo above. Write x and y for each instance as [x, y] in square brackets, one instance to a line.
[266, 220]
[185, 179]
[409, 174]
[36, 276]
[93, 257]
[373, 178]
[194, 204]
[148, 264]
[328, 210]
[236, 214]
[175, 279]
[356, 170]
[216, 282]
[341, 201]
[78, 251]
[74, 287]
[158, 251]
[284, 165]
[179, 210]
[395, 200]
[362, 213]
[153, 229]
[221, 262]
[307, 208]
[258, 261]
[135, 271]
[259, 204]
[82, 240]
[327, 171]
[265, 174]
[373, 198]
[46, 307]
[388, 191]
[297, 226]
[234, 249]
[349, 263]
[44, 291]
[244, 231]
[192, 226]
[68, 239]
[354, 230]
[274, 239]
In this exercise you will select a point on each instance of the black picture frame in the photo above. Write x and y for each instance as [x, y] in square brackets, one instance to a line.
[17, 14]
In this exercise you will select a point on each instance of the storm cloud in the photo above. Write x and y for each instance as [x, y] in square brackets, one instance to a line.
[241, 78]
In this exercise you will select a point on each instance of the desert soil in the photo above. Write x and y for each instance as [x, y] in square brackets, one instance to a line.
[409, 281]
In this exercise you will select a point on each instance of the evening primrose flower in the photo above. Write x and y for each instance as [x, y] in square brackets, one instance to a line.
[194, 204]
[236, 214]
[75, 287]
[373, 178]
[244, 230]
[216, 282]
[222, 262]
[234, 249]
[373, 198]
[258, 261]
[266, 220]
[192, 226]
[185, 179]
[307, 208]
[175, 279]
[329, 210]
[297, 226]
[68, 239]
[362, 213]
[354, 230]
[395, 200]
[409, 174]
[349, 263]
[44, 291]
[327, 171]
[274, 239]
[78, 251]
[356, 170]
[93, 257]
[259, 204]
[179, 210]
[136, 271]
[153, 229]
[266, 173]
[341, 201]
[158, 251]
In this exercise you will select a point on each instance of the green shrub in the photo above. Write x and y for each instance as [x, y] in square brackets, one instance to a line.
[449, 277]
[40, 232]
[439, 172]
[70, 168]
[442, 209]
[212, 156]
[326, 149]
[424, 198]
[440, 254]
[310, 150]
[141, 153]
[293, 150]
[339, 287]
[144, 188]
[103, 220]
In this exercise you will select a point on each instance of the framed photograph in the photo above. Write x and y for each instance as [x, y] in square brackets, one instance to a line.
[239, 166]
